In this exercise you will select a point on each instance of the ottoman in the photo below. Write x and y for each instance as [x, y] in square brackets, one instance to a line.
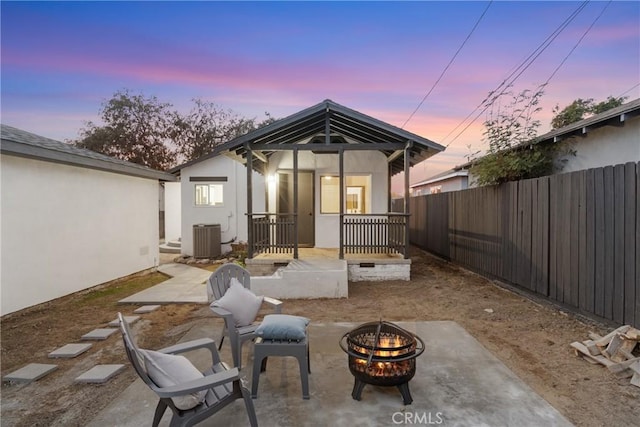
[281, 335]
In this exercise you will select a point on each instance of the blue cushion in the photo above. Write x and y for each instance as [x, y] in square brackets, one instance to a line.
[283, 327]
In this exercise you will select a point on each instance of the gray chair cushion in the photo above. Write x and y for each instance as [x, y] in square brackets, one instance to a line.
[283, 327]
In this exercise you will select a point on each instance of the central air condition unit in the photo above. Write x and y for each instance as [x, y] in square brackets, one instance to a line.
[206, 241]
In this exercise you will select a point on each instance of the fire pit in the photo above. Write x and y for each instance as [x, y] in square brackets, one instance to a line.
[382, 354]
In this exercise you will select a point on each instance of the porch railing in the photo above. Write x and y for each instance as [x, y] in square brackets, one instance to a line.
[361, 233]
[375, 233]
[271, 233]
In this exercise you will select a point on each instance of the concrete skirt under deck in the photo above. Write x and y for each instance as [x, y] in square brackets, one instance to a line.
[319, 274]
[305, 279]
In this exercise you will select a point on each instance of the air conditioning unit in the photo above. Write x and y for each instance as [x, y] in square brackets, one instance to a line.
[206, 241]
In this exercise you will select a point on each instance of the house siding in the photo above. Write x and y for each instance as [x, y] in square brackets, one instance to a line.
[605, 146]
[232, 215]
[68, 228]
[446, 185]
[372, 163]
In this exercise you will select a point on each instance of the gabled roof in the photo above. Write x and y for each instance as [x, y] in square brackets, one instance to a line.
[345, 128]
[17, 142]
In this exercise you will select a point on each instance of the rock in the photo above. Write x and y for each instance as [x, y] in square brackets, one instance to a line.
[489, 310]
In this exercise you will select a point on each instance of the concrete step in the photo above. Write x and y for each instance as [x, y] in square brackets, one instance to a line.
[167, 249]
[305, 279]
[174, 243]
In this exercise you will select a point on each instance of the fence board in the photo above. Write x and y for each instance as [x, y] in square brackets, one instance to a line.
[608, 242]
[600, 273]
[553, 237]
[629, 248]
[590, 251]
[543, 204]
[525, 232]
[582, 265]
[618, 259]
[574, 242]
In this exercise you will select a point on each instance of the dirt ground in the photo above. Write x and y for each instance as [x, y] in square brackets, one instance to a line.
[531, 338]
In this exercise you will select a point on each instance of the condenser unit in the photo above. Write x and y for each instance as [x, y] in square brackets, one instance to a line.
[206, 241]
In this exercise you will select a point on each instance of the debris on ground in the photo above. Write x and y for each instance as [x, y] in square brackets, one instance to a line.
[619, 351]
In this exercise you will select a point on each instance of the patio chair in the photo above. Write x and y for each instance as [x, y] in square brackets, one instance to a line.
[201, 395]
[217, 286]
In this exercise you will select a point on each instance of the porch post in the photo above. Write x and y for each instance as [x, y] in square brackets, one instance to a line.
[389, 196]
[296, 215]
[407, 167]
[341, 169]
[249, 200]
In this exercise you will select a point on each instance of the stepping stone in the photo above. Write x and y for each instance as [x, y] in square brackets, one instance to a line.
[146, 309]
[129, 319]
[99, 334]
[30, 372]
[99, 374]
[70, 350]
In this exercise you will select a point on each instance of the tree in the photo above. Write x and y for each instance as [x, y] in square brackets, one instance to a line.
[136, 130]
[513, 153]
[581, 109]
[208, 125]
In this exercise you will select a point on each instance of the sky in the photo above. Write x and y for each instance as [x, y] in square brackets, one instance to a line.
[60, 61]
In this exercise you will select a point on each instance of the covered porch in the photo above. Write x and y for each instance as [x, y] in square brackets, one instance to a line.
[328, 175]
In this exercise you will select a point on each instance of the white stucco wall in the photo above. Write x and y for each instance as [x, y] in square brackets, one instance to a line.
[172, 211]
[373, 163]
[231, 216]
[67, 228]
[451, 184]
[605, 146]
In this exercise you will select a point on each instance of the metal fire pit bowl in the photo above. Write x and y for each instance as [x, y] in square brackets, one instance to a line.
[382, 354]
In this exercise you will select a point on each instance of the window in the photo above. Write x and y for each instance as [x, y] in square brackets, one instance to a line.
[435, 189]
[329, 194]
[209, 194]
[357, 194]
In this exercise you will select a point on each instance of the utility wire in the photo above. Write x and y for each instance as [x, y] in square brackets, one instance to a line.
[448, 65]
[520, 69]
[577, 43]
[628, 90]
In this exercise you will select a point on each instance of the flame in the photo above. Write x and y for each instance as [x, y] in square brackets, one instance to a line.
[388, 342]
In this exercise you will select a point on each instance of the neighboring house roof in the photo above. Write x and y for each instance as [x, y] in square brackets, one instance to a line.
[344, 126]
[448, 174]
[17, 142]
[613, 117]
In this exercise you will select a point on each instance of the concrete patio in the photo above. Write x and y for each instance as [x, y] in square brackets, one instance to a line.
[457, 383]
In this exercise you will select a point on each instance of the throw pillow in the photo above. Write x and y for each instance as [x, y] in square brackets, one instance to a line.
[241, 302]
[166, 370]
[283, 327]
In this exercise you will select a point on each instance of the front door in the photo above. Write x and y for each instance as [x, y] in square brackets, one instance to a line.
[306, 223]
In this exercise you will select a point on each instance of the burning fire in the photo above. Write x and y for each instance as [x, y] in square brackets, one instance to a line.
[386, 347]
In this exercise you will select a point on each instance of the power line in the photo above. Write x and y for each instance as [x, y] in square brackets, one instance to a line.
[578, 42]
[520, 69]
[448, 65]
[629, 90]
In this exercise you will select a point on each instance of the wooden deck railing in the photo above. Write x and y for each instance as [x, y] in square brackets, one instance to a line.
[361, 234]
[375, 233]
[271, 233]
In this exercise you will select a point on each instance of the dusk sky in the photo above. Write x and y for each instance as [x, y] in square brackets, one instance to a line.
[62, 60]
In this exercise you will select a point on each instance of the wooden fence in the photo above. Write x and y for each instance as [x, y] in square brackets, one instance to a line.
[573, 238]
